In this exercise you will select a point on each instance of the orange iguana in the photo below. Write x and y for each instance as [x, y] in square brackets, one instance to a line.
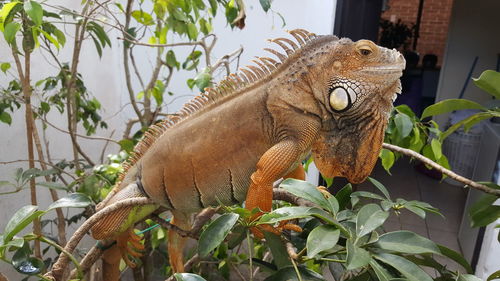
[328, 96]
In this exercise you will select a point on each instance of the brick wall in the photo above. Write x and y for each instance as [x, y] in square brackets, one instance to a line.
[434, 23]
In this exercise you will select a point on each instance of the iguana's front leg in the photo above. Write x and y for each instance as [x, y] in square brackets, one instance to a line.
[272, 165]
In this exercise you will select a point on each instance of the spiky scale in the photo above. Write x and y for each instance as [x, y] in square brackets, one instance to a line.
[276, 53]
[257, 71]
[263, 67]
[252, 77]
[290, 42]
[279, 42]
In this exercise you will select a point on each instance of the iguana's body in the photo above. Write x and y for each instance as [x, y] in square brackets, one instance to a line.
[330, 96]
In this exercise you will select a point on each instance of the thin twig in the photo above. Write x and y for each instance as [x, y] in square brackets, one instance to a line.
[451, 174]
[61, 222]
[47, 163]
[126, 50]
[79, 135]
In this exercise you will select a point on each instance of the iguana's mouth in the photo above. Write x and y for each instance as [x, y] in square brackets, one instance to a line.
[381, 70]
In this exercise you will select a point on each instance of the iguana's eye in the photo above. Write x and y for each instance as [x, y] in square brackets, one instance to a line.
[365, 50]
[339, 99]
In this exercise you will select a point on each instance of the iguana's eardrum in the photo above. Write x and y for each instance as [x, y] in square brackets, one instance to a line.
[326, 95]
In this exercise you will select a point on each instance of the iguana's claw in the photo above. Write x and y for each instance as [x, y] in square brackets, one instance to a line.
[130, 246]
[324, 191]
[283, 225]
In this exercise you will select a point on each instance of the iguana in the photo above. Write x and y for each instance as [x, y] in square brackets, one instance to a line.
[326, 95]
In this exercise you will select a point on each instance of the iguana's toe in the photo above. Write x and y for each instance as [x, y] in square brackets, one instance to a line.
[130, 247]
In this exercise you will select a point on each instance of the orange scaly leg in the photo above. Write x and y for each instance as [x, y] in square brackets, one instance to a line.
[298, 173]
[271, 166]
[176, 242]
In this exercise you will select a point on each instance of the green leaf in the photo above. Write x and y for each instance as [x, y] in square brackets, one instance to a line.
[343, 196]
[4, 67]
[25, 264]
[34, 11]
[205, 26]
[404, 125]
[494, 275]
[356, 257]
[97, 45]
[215, 233]
[405, 109]
[73, 200]
[380, 271]
[98, 31]
[188, 277]
[10, 32]
[5, 12]
[367, 194]
[307, 191]
[288, 213]
[369, 218]
[202, 80]
[417, 211]
[289, 274]
[489, 81]
[485, 216]
[50, 38]
[449, 105]
[483, 212]
[387, 158]
[171, 60]
[278, 250]
[266, 5]
[6, 118]
[380, 187]
[192, 31]
[436, 148]
[410, 270]
[455, 256]
[61, 38]
[142, 17]
[321, 238]
[467, 277]
[406, 242]
[15, 243]
[467, 122]
[20, 220]
[127, 145]
[213, 7]
[53, 185]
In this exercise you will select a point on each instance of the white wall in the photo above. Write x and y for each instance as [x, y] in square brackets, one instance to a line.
[473, 31]
[104, 78]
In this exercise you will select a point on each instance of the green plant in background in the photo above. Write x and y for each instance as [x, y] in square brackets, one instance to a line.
[342, 233]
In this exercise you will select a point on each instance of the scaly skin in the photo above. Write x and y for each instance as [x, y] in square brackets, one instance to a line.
[329, 96]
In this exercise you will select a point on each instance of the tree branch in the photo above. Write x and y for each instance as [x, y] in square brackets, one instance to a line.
[451, 174]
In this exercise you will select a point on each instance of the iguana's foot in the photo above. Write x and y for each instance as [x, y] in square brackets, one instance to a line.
[130, 246]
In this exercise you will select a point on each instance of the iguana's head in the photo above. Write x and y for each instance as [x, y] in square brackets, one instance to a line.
[355, 84]
[350, 75]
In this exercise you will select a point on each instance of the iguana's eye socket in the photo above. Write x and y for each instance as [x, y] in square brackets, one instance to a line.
[365, 50]
[340, 99]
